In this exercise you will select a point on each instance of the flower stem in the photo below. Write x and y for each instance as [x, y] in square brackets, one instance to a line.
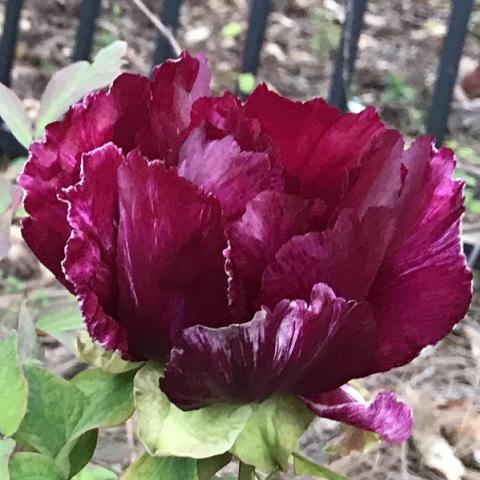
[245, 471]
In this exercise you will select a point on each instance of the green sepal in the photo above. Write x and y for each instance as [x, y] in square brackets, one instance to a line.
[94, 354]
[272, 433]
[165, 430]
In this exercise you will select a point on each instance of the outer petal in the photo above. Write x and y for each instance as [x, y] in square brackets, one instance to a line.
[233, 176]
[317, 143]
[270, 220]
[385, 415]
[170, 266]
[425, 263]
[346, 257]
[273, 352]
[54, 163]
[91, 250]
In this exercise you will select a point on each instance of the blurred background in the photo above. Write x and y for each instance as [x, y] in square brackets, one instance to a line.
[396, 69]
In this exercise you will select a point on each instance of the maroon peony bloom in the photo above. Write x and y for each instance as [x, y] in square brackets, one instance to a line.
[258, 247]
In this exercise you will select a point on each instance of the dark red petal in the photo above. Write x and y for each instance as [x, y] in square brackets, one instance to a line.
[91, 250]
[270, 220]
[221, 168]
[54, 163]
[424, 263]
[171, 270]
[176, 85]
[273, 352]
[385, 415]
[346, 257]
[317, 142]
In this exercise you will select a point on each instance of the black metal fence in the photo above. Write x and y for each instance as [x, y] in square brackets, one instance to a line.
[90, 10]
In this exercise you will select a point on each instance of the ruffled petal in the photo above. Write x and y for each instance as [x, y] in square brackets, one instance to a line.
[317, 143]
[232, 175]
[424, 262]
[385, 415]
[91, 250]
[346, 257]
[170, 266]
[54, 163]
[270, 220]
[176, 85]
[273, 352]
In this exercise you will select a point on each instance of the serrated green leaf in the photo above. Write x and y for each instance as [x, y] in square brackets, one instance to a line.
[7, 445]
[109, 399]
[93, 354]
[272, 433]
[72, 83]
[166, 468]
[34, 466]
[305, 466]
[95, 473]
[165, 430]
[14, 116]
[13, 385]
[246, 82]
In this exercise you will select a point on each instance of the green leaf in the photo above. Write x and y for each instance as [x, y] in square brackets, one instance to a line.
[305, 466]
[92, 353]
[166, 468]
[34, 466]
[14, 116]
[10, 198]
[72, 83]
[55, 408]
[63, 319]
[207, 467]
[109, 399]
[165, 430]
[7, 446]
[272, 433]
[246, 82]
[13, 385]
[82, 451]
[28, 346]
[95, 473]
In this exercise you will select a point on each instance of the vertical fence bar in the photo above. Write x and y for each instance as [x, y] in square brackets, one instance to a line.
[9, 39]
[448, 68]
[170, 18]
[89, 11]
[257, 25]
[347, 53]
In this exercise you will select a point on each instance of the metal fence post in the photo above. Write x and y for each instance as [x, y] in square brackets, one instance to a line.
[89, 11]
[257, 25]
[347, 53]
[9, 39]
[448, 68]
[170, 18]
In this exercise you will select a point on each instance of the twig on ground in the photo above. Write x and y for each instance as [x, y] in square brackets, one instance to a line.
[163, 29]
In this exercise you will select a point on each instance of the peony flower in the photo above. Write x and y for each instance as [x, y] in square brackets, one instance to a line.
[255, 248]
